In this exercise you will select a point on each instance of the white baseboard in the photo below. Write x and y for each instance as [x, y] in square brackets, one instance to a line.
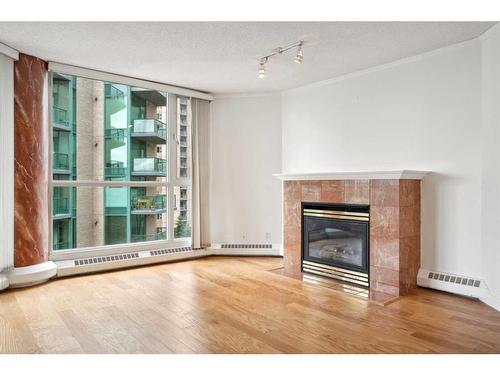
[4, 281]
[492, 300]
[31, 275]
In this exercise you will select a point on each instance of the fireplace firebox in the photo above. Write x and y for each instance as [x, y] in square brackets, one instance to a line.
[335, 241]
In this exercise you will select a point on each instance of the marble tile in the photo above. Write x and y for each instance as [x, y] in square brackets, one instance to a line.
[384, 288]
[292, 213]
[385, 252]
[385, 275]
[357, 191]
[409, 217]
[332, 191]
[384, 222]
[31, 153]
[292, 248]
[292, 191]
[311, 191]
[410, 191]
[384, 193]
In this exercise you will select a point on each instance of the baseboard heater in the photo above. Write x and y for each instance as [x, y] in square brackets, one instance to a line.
[255, 249]
[452, 283]
[136, 258]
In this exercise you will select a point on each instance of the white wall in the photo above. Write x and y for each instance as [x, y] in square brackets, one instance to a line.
[246, 150]
[422, 113]
[491, 162]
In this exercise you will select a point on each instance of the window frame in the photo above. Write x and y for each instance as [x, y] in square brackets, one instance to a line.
[170, 183]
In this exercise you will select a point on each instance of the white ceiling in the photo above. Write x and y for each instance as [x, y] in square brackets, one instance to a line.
[221, 57]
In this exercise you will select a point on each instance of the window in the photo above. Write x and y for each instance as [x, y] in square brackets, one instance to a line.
[114, 175]
[182, 193]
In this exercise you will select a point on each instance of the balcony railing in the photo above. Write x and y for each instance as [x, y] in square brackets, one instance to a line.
[115, 169]
[149, 166]
[111, 91]
[61, 245]
[60, 206]
[149, 203]
[160, 235]
[115, 211]
[117, 134]
[61, 161]
[60, 116]
[150, 126]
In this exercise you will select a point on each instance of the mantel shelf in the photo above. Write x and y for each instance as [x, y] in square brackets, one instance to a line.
[372, 175]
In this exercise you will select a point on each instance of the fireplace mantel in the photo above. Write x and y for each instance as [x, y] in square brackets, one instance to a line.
[373, 175]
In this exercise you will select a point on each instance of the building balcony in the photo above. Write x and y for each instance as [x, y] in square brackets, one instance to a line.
[149, 167]
[61, 209]
[150, 130]
[60, 163]
[115, 137]
[111, 91]
[149, 205]
[60, 119]
[115, 169]
[161, 234]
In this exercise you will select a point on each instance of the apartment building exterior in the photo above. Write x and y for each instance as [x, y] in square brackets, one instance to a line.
[111, 132]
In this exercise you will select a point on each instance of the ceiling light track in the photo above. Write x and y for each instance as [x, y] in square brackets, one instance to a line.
[299, 57]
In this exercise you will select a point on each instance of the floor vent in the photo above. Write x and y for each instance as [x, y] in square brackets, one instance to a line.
[170, 251]
[105, 259]
[245, 246]
[454, 279]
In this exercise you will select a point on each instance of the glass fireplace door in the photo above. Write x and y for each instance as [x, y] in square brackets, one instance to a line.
[336, 242]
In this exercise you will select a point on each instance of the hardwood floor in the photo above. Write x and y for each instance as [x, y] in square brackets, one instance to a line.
[233, 305]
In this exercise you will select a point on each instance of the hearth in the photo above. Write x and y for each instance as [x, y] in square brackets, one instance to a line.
[335, 241]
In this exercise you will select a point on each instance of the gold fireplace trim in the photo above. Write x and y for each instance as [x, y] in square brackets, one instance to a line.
[359, 278]
[358, 216]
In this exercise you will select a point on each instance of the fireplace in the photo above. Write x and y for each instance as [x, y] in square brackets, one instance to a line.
[335, 241]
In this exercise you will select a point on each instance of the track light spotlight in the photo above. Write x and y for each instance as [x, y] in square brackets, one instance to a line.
[262, 69]
[299, 57]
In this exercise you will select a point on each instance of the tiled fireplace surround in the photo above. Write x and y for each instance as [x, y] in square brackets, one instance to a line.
[394, 225]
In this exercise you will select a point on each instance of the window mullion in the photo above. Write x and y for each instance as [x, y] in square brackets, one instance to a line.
[172, 160]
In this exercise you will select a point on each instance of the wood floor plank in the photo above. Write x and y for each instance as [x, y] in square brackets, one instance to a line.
[234, 305]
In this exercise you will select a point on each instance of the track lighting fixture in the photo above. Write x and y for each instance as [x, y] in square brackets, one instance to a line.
[299, 57]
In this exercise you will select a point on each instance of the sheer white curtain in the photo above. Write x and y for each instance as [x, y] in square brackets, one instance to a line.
[200, 117]
[6, 166]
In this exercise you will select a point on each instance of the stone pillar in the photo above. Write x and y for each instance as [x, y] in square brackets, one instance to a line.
[31, 167]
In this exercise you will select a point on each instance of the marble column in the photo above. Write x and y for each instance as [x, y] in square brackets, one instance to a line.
[31, 155]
